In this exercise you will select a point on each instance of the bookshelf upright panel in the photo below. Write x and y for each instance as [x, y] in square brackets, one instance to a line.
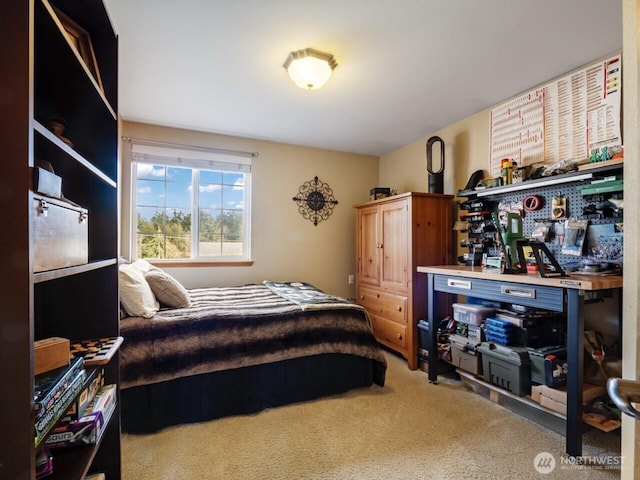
[52, 80]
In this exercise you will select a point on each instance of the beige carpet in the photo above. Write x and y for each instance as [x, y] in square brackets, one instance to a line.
[410, 429]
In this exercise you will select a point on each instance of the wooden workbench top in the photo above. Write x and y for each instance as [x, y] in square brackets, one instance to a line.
[581, 282]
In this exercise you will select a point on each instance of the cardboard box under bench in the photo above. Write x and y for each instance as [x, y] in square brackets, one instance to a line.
[60, 234]
[556, 398]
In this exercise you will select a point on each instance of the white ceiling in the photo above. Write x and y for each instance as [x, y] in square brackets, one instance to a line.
[406, 68]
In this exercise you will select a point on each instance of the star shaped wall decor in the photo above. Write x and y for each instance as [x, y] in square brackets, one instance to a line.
[315, 200]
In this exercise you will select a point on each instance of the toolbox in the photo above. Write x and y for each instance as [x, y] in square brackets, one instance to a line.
[465, 355]
[555, 371]
[506, 367]
[537, 358]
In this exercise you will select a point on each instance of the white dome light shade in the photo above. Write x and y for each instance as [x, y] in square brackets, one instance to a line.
[309, 68]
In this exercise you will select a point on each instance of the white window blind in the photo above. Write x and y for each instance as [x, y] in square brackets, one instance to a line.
[195, 158]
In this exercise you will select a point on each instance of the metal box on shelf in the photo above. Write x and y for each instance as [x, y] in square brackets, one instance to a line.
[60, 234]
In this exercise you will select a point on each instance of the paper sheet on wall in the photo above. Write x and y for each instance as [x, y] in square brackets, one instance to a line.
[563, 120]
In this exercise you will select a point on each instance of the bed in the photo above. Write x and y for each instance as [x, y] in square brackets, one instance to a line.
[240, 350]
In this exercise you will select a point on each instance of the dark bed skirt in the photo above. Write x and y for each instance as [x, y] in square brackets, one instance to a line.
[150, 408]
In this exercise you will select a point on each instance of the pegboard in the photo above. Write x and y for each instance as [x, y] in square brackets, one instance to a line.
[575, 206]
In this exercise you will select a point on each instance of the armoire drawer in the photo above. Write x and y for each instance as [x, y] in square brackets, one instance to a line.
[389, 332]
[393, 307]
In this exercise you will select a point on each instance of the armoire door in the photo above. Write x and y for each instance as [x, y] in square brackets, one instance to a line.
[395, 246]
[369, 246]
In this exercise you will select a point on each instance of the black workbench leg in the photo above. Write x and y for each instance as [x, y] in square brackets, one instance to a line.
[433, 329]
[575, 356]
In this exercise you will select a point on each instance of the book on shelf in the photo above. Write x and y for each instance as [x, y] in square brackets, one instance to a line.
[93, 383]
[103, 400]
[49, 386]
[89, 428]
[52, 415]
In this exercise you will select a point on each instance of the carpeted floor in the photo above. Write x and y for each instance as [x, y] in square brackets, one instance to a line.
[409, 429]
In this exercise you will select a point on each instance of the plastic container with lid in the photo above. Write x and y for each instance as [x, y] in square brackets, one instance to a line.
[471, 313]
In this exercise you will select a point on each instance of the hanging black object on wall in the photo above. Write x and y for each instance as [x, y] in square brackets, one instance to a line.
[436, 177]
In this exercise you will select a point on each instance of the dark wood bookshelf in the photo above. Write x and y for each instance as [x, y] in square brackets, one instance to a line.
[47, 78]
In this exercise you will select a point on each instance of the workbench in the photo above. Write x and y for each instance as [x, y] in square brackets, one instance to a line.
[564, 294]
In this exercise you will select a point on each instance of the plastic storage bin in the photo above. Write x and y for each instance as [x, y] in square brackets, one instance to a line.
[470, 313]
[506, 367]
[499, 331]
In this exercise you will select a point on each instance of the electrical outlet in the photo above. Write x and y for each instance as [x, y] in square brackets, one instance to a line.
[352, 279]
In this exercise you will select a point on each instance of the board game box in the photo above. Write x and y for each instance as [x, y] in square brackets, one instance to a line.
[96, 351]
[88, 429]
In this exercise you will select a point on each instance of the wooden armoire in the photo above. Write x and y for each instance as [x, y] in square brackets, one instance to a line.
[395, 235]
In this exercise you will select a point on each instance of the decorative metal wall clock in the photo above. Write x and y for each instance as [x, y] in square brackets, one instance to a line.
[315, 200]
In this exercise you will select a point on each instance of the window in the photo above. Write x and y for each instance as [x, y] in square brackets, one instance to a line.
[190, 205]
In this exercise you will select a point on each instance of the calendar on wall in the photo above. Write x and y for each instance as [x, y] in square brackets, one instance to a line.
[563, 120]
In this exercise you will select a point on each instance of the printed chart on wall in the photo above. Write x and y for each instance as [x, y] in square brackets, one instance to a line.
[561, 121]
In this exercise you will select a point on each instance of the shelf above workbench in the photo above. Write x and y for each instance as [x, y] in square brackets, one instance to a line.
[590, 171]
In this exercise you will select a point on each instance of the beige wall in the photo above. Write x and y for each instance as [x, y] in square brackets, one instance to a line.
[285, 246]
[466, 150]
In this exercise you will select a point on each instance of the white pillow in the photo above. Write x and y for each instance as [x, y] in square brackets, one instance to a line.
[167, 289]
[143, 265]
[135, 293]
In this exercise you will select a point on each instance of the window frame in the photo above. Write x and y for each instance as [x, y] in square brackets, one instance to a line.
[196, 161]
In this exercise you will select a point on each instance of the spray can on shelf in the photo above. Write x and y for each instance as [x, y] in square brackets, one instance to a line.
[507, 171]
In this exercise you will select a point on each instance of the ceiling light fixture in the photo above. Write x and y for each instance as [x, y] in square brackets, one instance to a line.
[309, 68]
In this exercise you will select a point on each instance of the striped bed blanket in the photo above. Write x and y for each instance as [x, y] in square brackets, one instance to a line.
[234, 327]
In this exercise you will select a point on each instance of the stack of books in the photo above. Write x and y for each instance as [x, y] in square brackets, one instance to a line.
[93, 383]
[54, 392]
[72, 404]
[88, 428]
